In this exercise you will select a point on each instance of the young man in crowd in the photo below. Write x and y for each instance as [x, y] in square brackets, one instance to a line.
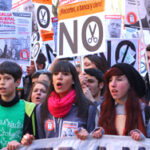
[93, 85]
[17, 116]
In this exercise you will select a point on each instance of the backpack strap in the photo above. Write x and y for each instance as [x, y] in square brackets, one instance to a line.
[147, 114]
[33, 124]
[29, 108]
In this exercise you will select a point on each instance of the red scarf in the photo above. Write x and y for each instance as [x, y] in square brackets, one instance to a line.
[60, 107]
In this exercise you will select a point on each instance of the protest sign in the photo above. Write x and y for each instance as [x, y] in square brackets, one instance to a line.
[44, 14]
[124, 51]
[80, 28]
[43, 10]
[133, 13]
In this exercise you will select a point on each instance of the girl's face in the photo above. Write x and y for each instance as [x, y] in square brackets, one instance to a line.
[119, 86]
[62, 82]
[88, 64]
[39, 93]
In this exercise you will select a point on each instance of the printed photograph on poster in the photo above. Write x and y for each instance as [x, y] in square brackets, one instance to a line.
[5, 5]
[68, 128]
[30, 7]
[15, 49]
[132, 33]
[113, 26]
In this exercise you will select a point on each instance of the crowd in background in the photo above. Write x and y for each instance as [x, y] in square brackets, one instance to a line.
[101, 100]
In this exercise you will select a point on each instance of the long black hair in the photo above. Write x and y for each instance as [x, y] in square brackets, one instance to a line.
[82, 102]
[100, 62]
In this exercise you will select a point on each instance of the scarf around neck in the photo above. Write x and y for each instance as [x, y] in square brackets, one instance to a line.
[60, 107]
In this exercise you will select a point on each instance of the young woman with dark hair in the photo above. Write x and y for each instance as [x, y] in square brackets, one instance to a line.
[65, 106]
[45, 76]
[122, 112]
[94, 61]
[122, 102]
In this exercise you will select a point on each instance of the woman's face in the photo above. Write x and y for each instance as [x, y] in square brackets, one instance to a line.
[39, 93]
[119, 86]
[88, 64]
[62, 82]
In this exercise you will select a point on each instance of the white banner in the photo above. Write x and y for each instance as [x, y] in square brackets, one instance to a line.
[107, 142]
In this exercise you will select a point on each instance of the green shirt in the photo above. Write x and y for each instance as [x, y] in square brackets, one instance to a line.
[11, 123]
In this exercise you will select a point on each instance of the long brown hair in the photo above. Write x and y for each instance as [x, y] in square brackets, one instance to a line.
[134, 118]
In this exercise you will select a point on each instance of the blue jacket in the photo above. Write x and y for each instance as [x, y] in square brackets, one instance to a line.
[63, 127]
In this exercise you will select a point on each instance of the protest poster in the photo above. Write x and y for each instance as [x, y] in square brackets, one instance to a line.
[15, 33]
[80, 28]
[137, 20]
[43, 10]
[28, 6]
[44, 14]
[137, 26]
[107, 142]
[124, 51]
[133, 13]
[47, 49]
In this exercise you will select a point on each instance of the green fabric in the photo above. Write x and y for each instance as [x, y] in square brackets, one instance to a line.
[11, 123]
[29, 107]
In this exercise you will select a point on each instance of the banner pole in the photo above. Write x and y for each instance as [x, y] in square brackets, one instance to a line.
[82, 63]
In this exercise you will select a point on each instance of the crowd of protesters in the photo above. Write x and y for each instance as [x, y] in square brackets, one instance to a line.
[100, 100]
